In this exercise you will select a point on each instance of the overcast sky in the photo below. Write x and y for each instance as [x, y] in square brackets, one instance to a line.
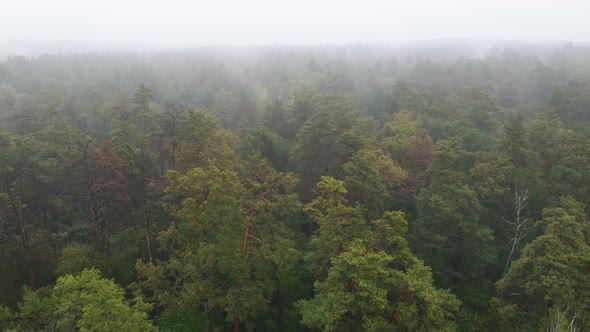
[183, 23]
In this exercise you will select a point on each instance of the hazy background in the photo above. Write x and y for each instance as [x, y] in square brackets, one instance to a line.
[36, 25]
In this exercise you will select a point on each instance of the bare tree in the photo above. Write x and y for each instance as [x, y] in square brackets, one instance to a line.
[561, 323]
[518, 225]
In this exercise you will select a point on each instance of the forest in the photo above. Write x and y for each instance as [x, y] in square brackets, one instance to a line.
[331, 188]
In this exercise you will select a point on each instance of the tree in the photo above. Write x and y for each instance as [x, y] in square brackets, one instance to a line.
[398, 132]
[327, 140]
[518, 224]
[372, 177]
[366, 277]
[551, 274]
[492, 173]
[77, 257]
[17, 165]
[202, 142]
[306, 101]
[201, 245]
[230, 252]
[142, 98]
[84, 302]
[268, 144]
[275, 118]
[481, 111]
[571, 102]
[105, 180]
[448, 223]
[570, 172]
[337, 225]
[267, 252]
[515, 143]
[417, 159]
[420, 153]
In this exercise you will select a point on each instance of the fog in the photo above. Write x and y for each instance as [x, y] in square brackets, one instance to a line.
[135, 24]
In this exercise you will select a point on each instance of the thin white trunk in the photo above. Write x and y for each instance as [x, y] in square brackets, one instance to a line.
[519, 225]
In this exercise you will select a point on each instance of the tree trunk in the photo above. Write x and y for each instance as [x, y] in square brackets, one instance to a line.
[519, 225]
[148, 239]
[146, 223]
[278, 300]
[24, 240]
[239, 283]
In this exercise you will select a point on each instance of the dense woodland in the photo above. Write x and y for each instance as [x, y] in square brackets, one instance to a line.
[335, 188]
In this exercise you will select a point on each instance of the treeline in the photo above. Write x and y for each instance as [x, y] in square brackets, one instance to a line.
[336, 189]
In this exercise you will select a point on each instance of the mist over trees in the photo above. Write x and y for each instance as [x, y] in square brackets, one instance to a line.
[417, 187]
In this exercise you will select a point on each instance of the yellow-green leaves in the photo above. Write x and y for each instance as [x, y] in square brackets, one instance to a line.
[366, 277]
[83, 302]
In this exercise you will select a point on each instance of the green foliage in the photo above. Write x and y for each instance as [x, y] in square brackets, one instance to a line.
[201, 245]
[492, 174]
[367, 278]
[337, 224]
[77, 257]
[398, 131]
[329, 135]
[268, 144]
[181, 321]
[202, 142]
[571, 101]
[550, 277]
[448, 222]
[7, 318]
[84, 302]
[372, 177]
[193, 166]
[230, 255]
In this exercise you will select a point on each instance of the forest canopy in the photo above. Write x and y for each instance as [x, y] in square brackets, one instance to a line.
[332, 188]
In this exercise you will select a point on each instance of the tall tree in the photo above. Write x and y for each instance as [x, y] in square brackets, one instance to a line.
[366, 277]
[448, 223]
[18, 163]
[551, 274]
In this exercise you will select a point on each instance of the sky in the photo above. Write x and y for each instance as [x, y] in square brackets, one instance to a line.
[188, 23]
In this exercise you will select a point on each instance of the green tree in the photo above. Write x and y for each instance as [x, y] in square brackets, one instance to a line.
[268, 144]
[337, 225]
[84, 302]
[231, 256]
[550, 276]
[28, 213]
[372, 178]
[202, 142]
[398, 132]
[268, 253]
[327, 140]
[18, 161]
[366, 277]
[448, 223]
[201, 245]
